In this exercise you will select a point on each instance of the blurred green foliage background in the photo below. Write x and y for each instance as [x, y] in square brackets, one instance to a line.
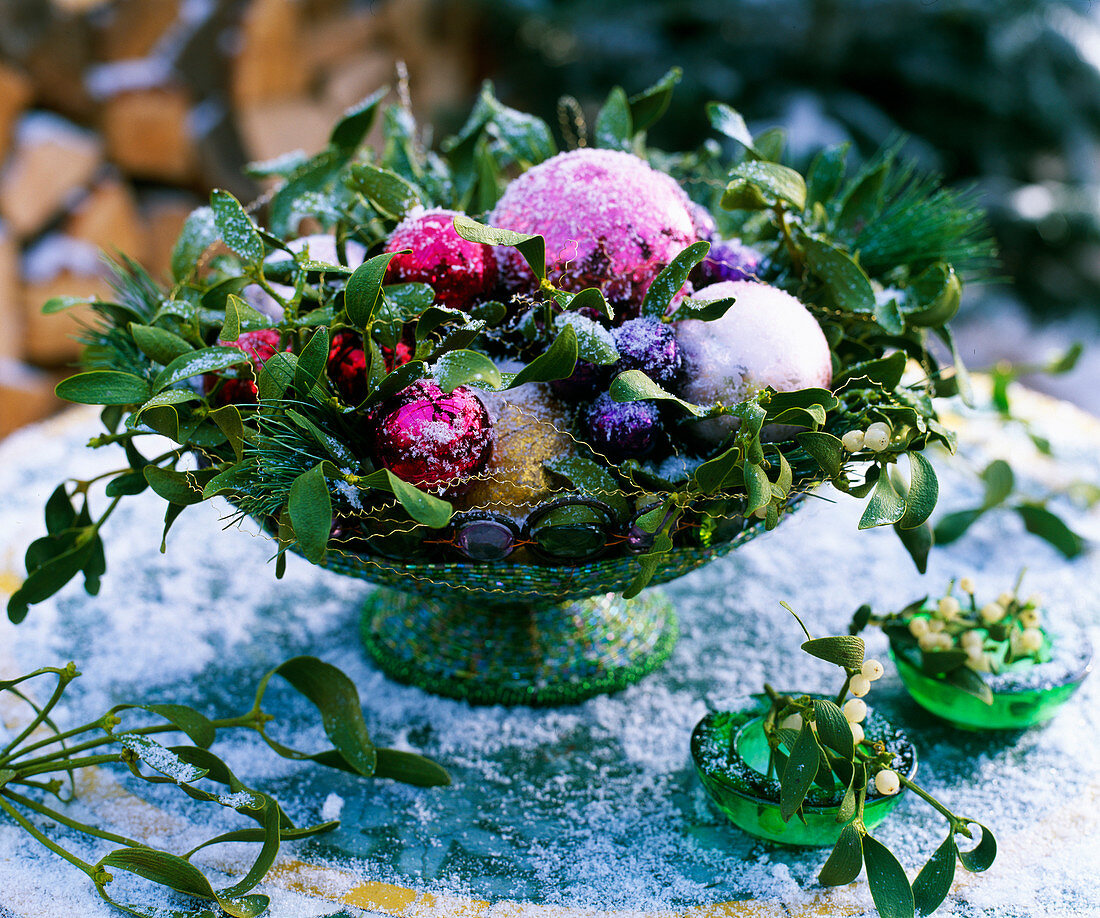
[1003, 94]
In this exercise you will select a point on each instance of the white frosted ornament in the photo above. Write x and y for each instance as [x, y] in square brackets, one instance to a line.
[766, 338]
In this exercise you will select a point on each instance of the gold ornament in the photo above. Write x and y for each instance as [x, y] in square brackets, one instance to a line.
[531, 427]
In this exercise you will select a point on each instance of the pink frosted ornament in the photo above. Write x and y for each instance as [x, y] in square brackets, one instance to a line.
[459, 271]
[433, 439]
[609, 219]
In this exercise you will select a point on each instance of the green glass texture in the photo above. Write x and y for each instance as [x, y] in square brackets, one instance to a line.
[743, 804]
[1010, 710]
[532, 653]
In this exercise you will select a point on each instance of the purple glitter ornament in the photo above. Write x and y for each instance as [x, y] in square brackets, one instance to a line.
[727, 260]
[587, 379]
[622, 430]
[648, 345]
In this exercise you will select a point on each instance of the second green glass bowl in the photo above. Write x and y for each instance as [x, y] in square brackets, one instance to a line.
[735, 777]
[1023, 696]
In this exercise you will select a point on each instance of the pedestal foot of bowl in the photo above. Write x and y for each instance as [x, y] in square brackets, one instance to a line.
[520, 653]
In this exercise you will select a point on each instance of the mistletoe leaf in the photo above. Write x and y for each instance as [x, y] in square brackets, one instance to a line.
[531, 246]
[833, 728]
[847, 283]
[982, 856]
[389, 192]
[104, 387]
[364, 288]
[309, 504]
[350, 130]
[729, 122]
[924, 490]
[158, 344]
[614, 124]
[886, 878]
[235, 227]
[798, 775]
[335, 696]
[410, 768]
[933, 883]
[1049, 527]
[200, 231]
[556, 362]
[648, 105]
[672, 278]
[846, 860]
[844, 650]
[885, 507]
[764, 182]
[457, 368]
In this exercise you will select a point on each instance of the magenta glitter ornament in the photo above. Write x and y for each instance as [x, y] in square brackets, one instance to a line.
[459, 271]
[609, 219]
[433, 439]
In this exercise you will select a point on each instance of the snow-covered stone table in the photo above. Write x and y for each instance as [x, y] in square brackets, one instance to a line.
[593, 807]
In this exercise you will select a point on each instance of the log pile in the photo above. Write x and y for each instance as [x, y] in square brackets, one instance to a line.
[117, 117]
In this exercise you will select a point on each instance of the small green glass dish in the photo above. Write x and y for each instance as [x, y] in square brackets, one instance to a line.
[736, 780]
[1024, 694]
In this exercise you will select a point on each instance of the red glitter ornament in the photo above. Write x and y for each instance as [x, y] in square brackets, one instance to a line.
[433, 439]
[240, 389]
[347, 364]
[459, 271]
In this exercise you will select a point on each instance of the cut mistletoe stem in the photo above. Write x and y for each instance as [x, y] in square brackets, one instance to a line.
[326, 687]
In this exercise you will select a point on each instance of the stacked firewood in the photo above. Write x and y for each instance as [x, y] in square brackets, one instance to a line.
[118, 116]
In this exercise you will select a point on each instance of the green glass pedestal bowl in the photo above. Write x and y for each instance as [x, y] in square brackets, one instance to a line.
[520, 633]
[730, 752]
[1024, 694]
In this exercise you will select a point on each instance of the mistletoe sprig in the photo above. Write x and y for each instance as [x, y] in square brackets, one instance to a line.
[41, 759]
[821, 741]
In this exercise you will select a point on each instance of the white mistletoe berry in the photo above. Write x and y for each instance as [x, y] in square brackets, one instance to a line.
[887, 782]
[929, 641]
[859, 686]
[967, 585]
[877, 437]
[857, 733]
[992, 613]
[1031, 618]
[970, 639]
[918, 627]
[949, 607]
[855, 709]
[872, 670]
[853, 441]
[1006, 599]
[1031, 640]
